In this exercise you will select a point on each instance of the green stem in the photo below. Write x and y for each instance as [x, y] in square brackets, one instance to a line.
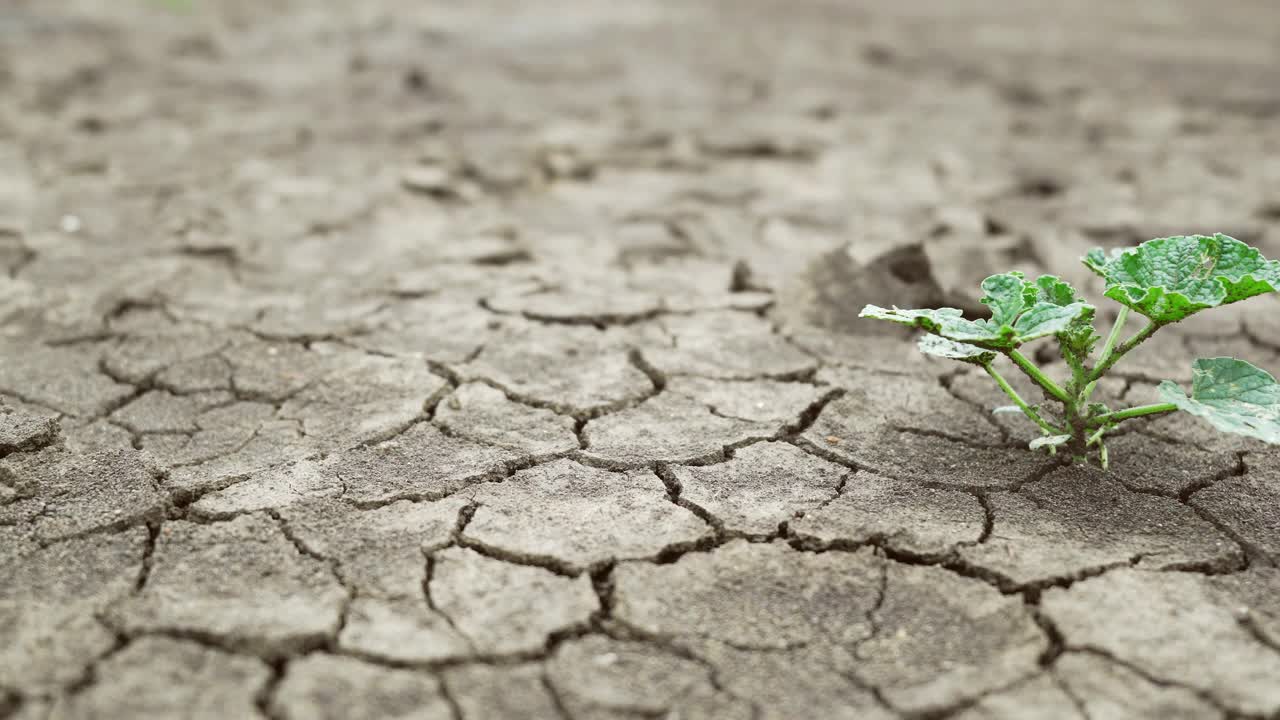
[1107, 348]
[1134, 412]
[1097, 436]
[1110, 360]
[1114, 337]
[1041, 379]
[1022, 404]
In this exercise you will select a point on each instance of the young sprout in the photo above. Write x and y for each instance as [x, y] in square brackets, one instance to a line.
[1164, 280]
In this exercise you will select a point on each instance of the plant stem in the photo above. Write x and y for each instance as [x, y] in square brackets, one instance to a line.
[1107, 348]
[1114, 337]
[1097, 436]
[1041, 379]
[1114, 357]
[1017, 400]
[1134, 412]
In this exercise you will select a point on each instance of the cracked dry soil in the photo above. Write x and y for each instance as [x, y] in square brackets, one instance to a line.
[494, 360]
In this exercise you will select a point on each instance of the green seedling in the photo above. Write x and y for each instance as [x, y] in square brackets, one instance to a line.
[1164, 280]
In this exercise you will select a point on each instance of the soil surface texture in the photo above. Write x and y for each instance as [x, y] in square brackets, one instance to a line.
[490, 360]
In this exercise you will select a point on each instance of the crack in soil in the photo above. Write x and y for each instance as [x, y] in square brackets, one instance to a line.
[1154, 679]
[349, 589]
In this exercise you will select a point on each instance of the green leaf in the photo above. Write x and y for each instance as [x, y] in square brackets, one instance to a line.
[1050, 441]
[1006, 296]
[929, 320]
[1168, 279]
[1052, 289]
[1097, 260]
[1045, 319]
[1021, 311]
[1233, 395]
[944, 348]
[1079, 335]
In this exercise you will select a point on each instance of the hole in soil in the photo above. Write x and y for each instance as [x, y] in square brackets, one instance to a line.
[910, 268]
[1040, 186]
[879, 56]
[994, 226]
[91, 124]
[1022, 95]
[1270, 211]
[415, 80]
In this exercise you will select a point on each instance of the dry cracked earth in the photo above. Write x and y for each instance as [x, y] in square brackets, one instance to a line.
[498, 360]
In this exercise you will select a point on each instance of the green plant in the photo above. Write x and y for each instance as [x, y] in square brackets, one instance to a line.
[1165, 280]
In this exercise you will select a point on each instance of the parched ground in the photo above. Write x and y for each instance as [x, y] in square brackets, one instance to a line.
[491, 359]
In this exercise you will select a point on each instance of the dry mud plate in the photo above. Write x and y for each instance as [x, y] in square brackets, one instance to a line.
[496, 360]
